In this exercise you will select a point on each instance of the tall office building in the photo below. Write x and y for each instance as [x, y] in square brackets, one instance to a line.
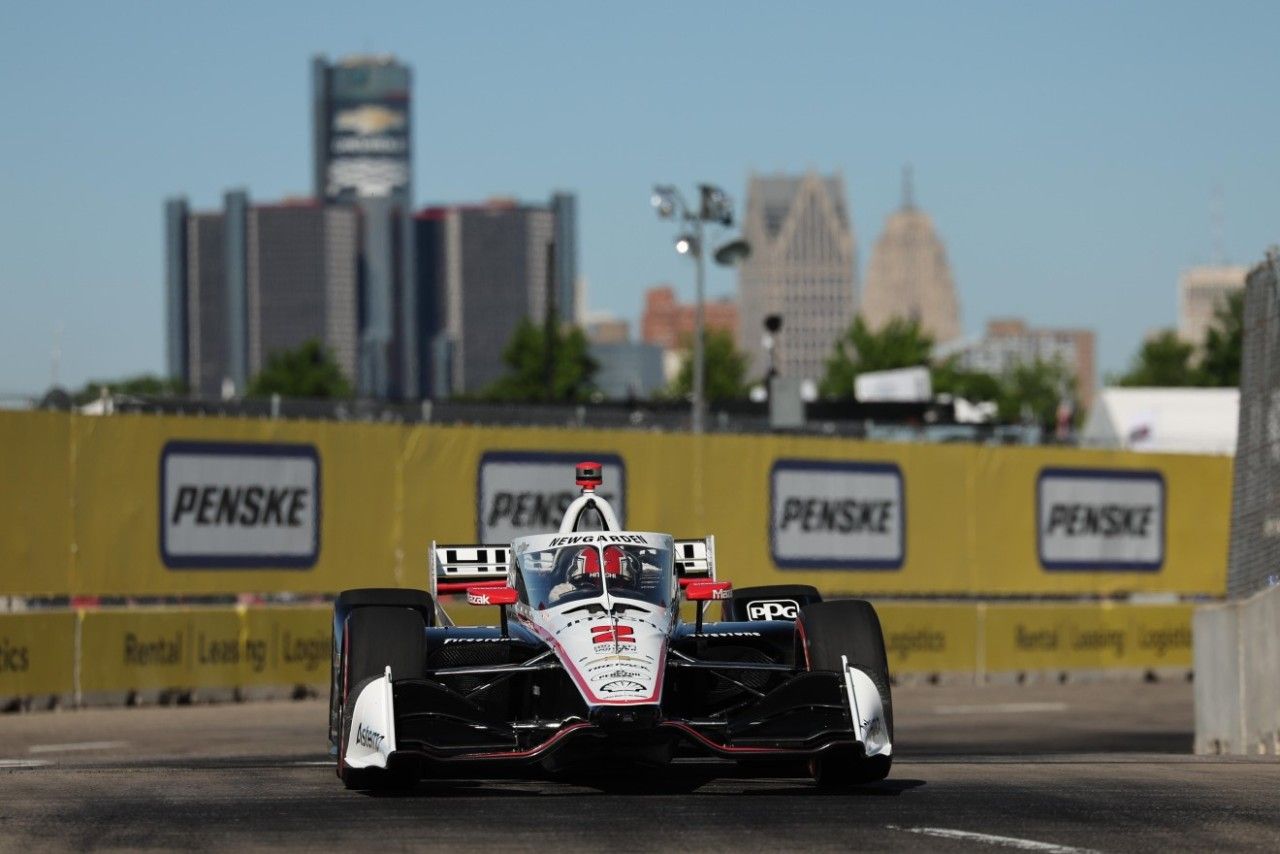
[1201, 292]
[909, 276]
[249, 281]
[481, 270]
[802, 266]
[363, 153]
[1010, 343]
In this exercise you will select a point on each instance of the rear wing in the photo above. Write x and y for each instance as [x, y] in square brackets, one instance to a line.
[454, 568]
[696, 560]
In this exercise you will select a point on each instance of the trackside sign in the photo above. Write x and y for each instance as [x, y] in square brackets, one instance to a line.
[519, 493]
[229, 505]
[1096, 519]
[837, 515]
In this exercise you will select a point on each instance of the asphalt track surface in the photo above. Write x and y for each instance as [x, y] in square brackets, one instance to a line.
[1101, 767]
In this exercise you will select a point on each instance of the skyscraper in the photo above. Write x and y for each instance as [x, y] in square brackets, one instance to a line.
[802, 266]
[1201, 292]
[252, 280]
[482, 269]
[909, 276]
[363, 153]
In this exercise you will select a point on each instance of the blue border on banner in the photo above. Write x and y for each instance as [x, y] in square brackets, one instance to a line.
[838, 562]
[1101, 474]
[240, 449]
[536, 457]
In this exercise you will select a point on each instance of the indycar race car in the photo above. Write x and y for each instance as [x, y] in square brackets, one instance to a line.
[591, 661]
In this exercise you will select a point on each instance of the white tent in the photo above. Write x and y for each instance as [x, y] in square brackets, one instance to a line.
[1164, 420]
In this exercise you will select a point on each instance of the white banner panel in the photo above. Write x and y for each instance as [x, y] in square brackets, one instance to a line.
[227, 505]
[837, 515]
[1098, 519]
[519, 493]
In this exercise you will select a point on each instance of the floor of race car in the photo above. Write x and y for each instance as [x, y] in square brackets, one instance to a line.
[1102, 767]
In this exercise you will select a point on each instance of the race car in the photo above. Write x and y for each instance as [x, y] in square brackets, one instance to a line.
[590, 661]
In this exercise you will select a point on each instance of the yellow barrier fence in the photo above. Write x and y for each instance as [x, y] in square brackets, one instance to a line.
[144, 505]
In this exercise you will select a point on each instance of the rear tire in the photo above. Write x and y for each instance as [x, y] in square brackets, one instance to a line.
[849, 628]
[374, 638]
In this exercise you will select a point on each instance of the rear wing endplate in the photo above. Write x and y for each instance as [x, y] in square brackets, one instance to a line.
[454, 568]
[696, 560]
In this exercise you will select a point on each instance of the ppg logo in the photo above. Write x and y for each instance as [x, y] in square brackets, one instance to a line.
[776, 609]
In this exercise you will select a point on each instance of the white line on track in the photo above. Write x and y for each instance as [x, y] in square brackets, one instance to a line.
[308, 763]
[23, 763]
[991, 839]
[75, 745]
[1000, 709]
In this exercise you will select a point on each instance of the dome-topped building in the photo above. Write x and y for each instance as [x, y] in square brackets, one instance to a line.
[909, 275]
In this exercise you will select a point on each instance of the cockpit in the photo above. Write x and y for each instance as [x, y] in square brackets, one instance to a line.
[641, 570]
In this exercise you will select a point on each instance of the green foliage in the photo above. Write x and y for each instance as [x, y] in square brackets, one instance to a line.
[144, 385]
[726, 370]
[1163, 360]
[526, 361]
[974, 386]
[1224, 343]
[1032, 392]
[310, 371]
[899, 343]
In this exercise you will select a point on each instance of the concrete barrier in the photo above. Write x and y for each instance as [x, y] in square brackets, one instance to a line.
[1237, 659]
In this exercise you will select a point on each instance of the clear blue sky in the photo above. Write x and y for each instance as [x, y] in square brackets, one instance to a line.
[1067, 151]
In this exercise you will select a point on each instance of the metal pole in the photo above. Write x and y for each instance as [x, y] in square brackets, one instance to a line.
[699, 354]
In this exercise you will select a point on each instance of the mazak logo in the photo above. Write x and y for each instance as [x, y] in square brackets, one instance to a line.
[521, 493]
[773, 609]
[230, 505]
[366, 737]
[613, 634]
[1100, 519]
[828, 514]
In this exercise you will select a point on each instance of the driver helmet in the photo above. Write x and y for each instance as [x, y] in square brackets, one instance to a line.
[622, 567]
[585, 569]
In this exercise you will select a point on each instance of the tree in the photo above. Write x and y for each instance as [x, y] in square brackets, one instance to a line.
[526, 357]
[1033, 391]
[145, 385]
[899, 343]
[310, 371]
[725, 370]
[973, 386]
[1223, 344]
[1163, 360]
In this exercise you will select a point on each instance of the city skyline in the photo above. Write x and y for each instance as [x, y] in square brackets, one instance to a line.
[1068, 153]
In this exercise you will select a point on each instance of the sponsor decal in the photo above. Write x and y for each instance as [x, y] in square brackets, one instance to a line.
[724, 634]
[619, 686]
[520, 493]
[827, 514]
[367, 737]
[479, 640]
[230, 505]
[613, 634]
[1095, 519]
[773, 609]
[14, 658]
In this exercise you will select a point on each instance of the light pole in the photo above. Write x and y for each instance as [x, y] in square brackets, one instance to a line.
[714, 206]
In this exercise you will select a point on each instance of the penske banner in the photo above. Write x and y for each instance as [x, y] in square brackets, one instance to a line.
[164, 506]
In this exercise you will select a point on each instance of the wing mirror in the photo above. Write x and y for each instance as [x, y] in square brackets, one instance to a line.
[708, 590]
[705, 591]
[501, 595]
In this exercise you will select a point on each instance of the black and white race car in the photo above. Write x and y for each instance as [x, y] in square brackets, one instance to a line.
[591, 660]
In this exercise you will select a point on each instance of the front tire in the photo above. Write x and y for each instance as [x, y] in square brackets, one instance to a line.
[375, 637]
[848, 628]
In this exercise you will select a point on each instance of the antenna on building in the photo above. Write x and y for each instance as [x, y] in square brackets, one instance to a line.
[1216, 225]
[908, 189]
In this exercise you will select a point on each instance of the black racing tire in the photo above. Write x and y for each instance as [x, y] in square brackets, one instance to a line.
[374, 637]
[347, 601]
[734, 608]
[850, 628]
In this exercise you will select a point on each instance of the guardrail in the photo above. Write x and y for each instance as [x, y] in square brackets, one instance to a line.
[127, 655]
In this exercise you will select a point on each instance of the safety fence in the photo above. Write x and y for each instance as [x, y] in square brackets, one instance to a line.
[108, 655]
[158, 506]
